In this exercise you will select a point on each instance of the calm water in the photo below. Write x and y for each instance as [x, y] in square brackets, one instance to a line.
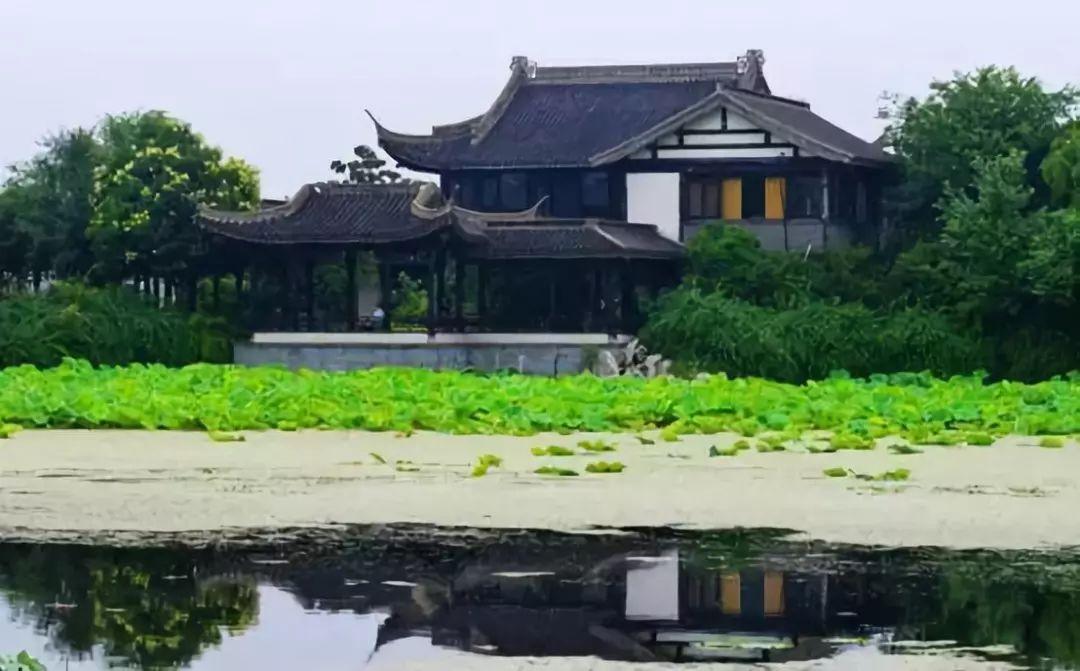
[386, 595]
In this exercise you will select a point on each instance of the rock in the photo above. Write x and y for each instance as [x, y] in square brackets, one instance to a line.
[606, 365]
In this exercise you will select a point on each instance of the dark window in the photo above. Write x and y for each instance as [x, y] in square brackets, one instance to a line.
[466, 192]
[753, 196]
[711, 207]
[861, 202]
[566, 196]
[489, 199]
[514, 190]
[695, 200]
[804, 196]
[539, 190]
[595, 193]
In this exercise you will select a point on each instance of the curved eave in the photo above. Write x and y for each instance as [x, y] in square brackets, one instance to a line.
[395, 143]
[232, 233]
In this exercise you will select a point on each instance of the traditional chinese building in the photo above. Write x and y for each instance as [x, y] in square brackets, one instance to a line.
[557, 212]
[677, 146]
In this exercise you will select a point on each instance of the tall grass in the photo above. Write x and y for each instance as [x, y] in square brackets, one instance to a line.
[111, 326]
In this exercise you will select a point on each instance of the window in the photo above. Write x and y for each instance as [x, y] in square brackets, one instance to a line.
[753, 196]
[703, 198]
[695, 205]
[514, 191]
[465, 193]
[489, 194]
[805, 196]
[566, 195]
[861, 203]
[595, 193]
[539, 190]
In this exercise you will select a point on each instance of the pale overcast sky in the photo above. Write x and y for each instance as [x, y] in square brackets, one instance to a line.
[283, 83]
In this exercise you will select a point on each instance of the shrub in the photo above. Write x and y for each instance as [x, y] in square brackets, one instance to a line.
[713, 332]
[112, 326]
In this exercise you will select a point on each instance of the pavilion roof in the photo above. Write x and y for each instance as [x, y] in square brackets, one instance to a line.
[560, 117]
[369, 215]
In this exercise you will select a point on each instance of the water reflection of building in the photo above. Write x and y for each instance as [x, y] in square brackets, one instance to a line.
[653, 607]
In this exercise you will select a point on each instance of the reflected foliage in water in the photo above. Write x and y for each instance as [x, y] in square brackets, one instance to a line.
[638, 596]
[145, 607]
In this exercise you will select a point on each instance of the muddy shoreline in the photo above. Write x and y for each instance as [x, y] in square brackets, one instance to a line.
[171, 488]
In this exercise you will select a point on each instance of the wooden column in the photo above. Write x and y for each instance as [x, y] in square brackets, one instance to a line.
[351, 308]
[593, 310]
[459, 294]
[386, 289]
[628, 300]
[481, 294]
[309, 293]
[440, 286]
[284, 296]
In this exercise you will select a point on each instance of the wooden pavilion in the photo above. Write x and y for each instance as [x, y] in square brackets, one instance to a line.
[481, 271]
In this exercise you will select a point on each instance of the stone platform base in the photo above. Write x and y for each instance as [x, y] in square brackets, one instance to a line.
[532, 353]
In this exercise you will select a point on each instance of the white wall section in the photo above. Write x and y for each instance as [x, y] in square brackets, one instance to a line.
[653, 198]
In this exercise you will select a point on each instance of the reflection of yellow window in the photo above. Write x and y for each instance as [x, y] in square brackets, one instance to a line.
[732, 199]
[775, 196]
[731, 594]
[774, 593]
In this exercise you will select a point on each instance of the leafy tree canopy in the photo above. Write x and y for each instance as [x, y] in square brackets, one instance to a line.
[976, 116]
[154, 174]
[45, 207]
[1061, 169]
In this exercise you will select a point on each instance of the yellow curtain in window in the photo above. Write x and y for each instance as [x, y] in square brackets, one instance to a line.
[775, 197]
[731, 594]
[774, 593]
[732, 199]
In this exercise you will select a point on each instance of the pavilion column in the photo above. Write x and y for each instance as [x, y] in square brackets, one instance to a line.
[481, 293]
[351, 308]
[440, 287]
[459, 294]
[309, 293]
[628, 300]
[825, 214]
[591, 312]
[552, 300]
[386, 292]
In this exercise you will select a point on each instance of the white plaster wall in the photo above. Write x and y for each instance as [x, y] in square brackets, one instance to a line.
[653, 198]
[652, 588]
[741, 152]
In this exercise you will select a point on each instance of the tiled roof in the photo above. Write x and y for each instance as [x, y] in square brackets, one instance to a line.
[374, 214]
[575, 238]
[588, 116]
[804, 128]
[551, 125]
[329, 213]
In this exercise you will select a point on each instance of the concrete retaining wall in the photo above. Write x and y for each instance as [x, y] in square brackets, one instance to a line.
[535, 354]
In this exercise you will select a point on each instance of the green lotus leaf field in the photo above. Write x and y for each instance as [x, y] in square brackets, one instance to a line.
[221, 398]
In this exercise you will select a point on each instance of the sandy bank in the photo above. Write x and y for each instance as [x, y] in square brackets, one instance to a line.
[85, 485]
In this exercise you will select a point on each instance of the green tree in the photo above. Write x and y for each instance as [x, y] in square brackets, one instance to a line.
[46, 208]
[1003, 270]
[1061, 169]
[975, 116]
[154, 174]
